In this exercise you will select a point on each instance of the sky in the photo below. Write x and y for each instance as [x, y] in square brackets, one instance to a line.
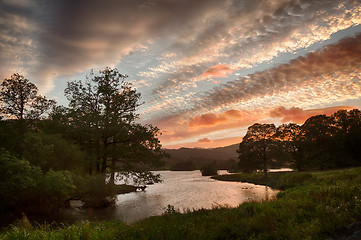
[206, 69]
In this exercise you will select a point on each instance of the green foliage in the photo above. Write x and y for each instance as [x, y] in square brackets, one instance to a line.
[52, 151]
[99, 194]
[26, 188]
[56, 186]
[277, 180]
[18, 181]
[98, 133]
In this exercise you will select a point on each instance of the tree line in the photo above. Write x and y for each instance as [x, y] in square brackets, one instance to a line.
[49, 152]
[322, 142]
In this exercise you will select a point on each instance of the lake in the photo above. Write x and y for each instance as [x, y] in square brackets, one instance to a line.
[181, 189]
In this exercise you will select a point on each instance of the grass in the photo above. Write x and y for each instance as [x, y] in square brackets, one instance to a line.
[312, 206]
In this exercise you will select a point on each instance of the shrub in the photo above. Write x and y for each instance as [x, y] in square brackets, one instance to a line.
[25, 188]
[209, 171]
[99, 194]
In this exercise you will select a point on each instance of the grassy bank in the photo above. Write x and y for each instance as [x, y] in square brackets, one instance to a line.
[312, 206]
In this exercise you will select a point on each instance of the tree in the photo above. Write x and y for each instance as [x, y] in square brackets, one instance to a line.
[102, 116]
[255, 150]
[20, 98]
[287, 137]
[349, 124]
[322, 142]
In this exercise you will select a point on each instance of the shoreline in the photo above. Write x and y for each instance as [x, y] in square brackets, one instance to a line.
[314, 205]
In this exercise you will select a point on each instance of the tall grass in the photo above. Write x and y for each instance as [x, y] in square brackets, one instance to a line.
[312, 206]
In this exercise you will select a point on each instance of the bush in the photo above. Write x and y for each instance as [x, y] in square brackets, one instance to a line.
[99, 194]
[18, 181]
[25, 188]
[209, 171]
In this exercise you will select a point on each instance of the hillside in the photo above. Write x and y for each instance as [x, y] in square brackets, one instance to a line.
[201, 156]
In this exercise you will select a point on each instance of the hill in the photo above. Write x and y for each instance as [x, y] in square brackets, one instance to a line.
[201, 156]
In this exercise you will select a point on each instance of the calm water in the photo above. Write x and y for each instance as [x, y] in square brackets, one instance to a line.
[184, 190]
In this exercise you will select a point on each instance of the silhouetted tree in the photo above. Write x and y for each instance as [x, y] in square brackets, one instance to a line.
[256, 147]
[287, 137]
[349, 124]
[102, 116]
[20, 98]
[318, 143]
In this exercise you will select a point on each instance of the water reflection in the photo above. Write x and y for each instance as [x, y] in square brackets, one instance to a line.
[184, 190]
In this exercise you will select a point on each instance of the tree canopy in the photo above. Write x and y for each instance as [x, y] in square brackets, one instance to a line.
[102, 116]
[322, 142]
[20, 99]
[255, 150]
[65, 151]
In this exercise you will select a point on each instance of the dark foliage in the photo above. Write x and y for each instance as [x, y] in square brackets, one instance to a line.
[208, 170]
[322, 142]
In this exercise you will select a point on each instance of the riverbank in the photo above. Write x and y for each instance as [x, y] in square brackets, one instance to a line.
[312, 206]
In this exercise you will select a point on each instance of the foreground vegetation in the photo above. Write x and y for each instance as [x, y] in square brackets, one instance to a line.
[313, 206]
[50, 154]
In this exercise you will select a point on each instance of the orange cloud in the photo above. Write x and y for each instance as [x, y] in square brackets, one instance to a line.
[298, 115]
[169, 133]
[205, 140]
[215, 143]
[180, 127]
[208, 119]
[211, 119]
[217, 71]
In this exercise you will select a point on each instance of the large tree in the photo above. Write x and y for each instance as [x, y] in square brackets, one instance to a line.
[20, 99]
[287, 137]
[102, 115]
[255, 150]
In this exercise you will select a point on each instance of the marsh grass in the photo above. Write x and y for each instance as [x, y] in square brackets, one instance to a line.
[312, 206]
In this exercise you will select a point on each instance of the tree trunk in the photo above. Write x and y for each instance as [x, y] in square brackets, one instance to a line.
[105, 157]
[264, 162]
[112, 174]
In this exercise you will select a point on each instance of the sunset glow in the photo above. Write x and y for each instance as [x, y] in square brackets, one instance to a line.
[206, 70]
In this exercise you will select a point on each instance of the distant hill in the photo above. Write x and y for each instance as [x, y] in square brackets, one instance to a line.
[201, 156]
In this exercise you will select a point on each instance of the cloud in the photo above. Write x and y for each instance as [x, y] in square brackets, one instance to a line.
[182, 127]
[73, 36]
[205, 140]
[211, 119]
[217, 71]
[245, 34]
[298, 115]
[17, 46]
[330, 74]
[208, 119]
[215, 143]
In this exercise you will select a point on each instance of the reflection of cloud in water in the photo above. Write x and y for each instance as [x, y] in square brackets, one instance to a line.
[183, 190]
[189, 190]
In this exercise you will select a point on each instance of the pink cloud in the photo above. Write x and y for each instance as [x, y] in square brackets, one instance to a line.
[205, 140]
[217, 71]
[298, 115]
[211, 119]
[208, 119]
